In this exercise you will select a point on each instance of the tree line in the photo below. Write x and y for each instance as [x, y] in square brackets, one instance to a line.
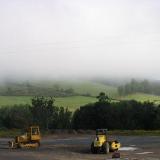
[41, 112]
[28, 89]
[139, 86]
[125, 115]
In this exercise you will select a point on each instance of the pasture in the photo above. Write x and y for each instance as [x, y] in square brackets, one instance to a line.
[71, 102]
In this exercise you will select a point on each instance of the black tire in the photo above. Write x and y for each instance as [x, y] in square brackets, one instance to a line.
[93, 149]
[106, 147]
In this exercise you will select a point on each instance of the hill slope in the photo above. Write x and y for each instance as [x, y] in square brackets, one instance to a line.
[142, 97]
[92, 88]
[72, 102]
[56, 88]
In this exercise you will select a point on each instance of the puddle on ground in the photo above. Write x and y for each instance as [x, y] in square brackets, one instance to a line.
[128, 149]
[145, 153]
[132, 145]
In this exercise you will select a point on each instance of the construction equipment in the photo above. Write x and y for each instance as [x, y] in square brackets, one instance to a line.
[31, 139]
[102, 144]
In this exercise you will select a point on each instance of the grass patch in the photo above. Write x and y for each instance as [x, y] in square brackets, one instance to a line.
[81, 87]
[72, 102]
[12, 100]
[142, 97]
[94, 89]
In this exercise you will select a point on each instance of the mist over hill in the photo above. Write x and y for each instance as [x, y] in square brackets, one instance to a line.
[78, 87]
[79, 39]
[58, 88]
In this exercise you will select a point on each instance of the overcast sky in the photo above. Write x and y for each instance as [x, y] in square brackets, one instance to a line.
[71, 38]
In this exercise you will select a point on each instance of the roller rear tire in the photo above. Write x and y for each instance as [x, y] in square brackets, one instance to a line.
[106, 147]
[93, 149]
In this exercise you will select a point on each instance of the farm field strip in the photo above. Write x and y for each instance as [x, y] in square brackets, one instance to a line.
[72, 102]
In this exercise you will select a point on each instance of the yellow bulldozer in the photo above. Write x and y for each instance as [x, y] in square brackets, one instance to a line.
[101, 143]
[31, 139]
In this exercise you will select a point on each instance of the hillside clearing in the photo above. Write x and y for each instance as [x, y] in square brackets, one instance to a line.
[71, 102]
[81, 87]
[142, 97]
[74, 102]
[57, 88]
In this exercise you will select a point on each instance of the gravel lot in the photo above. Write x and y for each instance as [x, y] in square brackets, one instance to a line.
[78, 148]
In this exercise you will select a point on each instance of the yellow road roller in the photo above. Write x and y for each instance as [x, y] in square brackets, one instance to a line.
[31, 139]
[101, 143]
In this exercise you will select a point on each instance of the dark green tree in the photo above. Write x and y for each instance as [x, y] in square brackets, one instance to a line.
[102, 97]
[43, 110]
[16, 116]
[64, 118]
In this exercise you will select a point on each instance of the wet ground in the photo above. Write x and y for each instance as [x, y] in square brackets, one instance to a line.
[78, 148]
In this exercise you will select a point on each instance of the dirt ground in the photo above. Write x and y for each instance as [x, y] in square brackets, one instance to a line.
[77, 147]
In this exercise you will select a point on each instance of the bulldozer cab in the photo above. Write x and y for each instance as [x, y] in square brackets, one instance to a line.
[34, 133]
[101, 132]
[35, 130]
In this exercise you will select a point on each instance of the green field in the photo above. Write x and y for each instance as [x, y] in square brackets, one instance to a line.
[75, 101]
[142, 97]
[71, 102]
[81, 87]
[11, 100]
[91, 87]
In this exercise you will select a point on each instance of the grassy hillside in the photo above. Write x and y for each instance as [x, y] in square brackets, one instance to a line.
[142, 97]
[56, 88]
[11, 100]
[71, 102]
[74, 102]
[94, 89]
[81, 87]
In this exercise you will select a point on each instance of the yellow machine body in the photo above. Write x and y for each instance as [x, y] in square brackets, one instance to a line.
[114, 145]
[30, 139]
[101, 142]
